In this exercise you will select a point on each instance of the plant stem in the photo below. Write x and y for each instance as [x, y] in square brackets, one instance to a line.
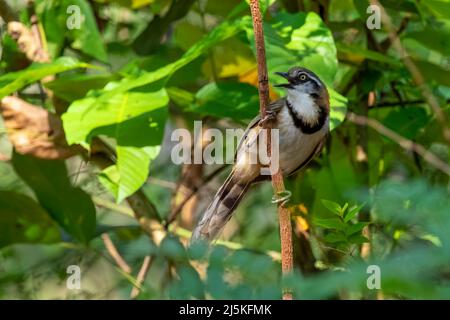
[287, 260]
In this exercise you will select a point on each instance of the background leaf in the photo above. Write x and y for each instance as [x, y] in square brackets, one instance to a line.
[23, 221]
[70, 207]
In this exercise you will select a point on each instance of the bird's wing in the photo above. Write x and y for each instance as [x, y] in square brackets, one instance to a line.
[317, 150]
[275, 106]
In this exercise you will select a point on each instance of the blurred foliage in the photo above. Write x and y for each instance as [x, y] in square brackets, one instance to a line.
[138, 69]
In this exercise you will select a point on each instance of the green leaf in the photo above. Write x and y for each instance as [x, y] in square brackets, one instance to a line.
[335, 237]
[87, 39]
[135, 119]
[338, 108]
[440, 41]
[54, 17]
[70, 207]
[329, 223]
[22, 220]
[235, 100]
[407, 121]
[440, 8]
[362, 53]
[73, 87]
[433, 72]
[14, 81]
[332, 206]
[357, 239]
[352, 212]
[181, 97]
[344, 208]
[10, 181]
[356, 228]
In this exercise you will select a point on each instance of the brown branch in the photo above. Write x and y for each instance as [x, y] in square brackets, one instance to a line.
[114, 253]
[406, 144]
[287, 259]
[148, 261]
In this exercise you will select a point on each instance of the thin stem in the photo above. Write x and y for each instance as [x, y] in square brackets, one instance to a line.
[141, 276]
[287, 259]
[114, 253]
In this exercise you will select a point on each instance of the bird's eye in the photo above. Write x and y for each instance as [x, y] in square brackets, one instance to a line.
[302, 77]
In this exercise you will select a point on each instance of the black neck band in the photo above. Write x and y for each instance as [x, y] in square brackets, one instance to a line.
[305, 126]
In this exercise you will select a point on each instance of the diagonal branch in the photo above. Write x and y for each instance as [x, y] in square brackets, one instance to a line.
[406, 144]
[287, 259]
[148, 261]
[114, 253]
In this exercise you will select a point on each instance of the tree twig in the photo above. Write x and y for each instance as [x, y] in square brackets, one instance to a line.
[406, 144]
[287, 259]
[114, 253]
[141, 276]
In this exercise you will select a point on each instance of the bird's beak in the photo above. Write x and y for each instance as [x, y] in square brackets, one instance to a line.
[284, 85]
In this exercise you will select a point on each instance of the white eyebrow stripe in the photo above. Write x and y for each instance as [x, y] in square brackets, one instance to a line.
[312, 78]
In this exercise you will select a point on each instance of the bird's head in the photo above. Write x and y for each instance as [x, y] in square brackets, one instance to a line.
[303, 81]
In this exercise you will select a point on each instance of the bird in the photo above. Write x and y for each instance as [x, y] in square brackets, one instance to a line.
[302, 120]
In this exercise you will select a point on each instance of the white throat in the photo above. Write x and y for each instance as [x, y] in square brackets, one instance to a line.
[304, 106]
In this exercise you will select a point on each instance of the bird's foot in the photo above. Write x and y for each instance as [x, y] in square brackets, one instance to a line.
[270, 116]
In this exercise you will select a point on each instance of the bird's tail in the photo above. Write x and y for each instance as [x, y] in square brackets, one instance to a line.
[220, 210]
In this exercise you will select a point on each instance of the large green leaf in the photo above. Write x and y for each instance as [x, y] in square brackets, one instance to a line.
[14, 81]
[70, 207]
[135, 119]
[54, 17]
[235, 100]
[23, 221]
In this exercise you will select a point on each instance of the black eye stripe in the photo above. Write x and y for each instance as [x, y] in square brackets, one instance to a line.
[310, 78]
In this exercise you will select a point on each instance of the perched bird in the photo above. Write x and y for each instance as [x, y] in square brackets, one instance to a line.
[302, 118]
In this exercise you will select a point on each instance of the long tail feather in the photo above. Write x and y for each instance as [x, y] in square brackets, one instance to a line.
[220, 210]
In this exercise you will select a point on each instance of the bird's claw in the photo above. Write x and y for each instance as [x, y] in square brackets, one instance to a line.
[270, 116]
